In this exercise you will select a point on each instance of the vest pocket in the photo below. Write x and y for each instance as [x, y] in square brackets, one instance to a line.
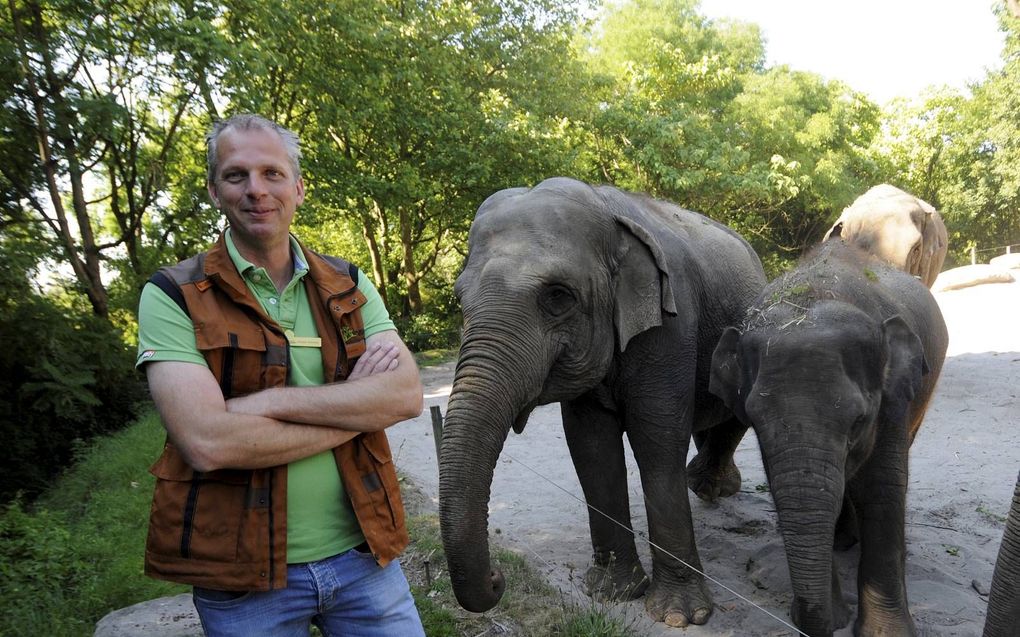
[382, 485]
[201, 516]
[237, 355]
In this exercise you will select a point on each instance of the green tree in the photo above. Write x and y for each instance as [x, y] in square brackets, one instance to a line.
[692, 115]
[101, 89]
[807, 143]
[412, 113]
[961, 153]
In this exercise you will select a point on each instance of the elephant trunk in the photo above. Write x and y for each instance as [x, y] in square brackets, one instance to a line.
[1004, 598]
[490, 389]
[807, 487]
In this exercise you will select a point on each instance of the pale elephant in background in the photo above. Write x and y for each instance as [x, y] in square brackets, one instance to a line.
[897, 227]
[1003, 618]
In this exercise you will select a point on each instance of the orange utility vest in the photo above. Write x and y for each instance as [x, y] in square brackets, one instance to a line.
[227, 529]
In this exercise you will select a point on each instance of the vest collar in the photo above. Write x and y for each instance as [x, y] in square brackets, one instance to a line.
[219, 267]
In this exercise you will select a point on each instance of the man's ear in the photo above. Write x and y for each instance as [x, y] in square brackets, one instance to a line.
[300, 190]
[211, 189]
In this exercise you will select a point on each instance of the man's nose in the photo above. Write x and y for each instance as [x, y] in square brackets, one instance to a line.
[257, 186]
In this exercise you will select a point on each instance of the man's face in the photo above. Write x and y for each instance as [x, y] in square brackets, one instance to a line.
[255, 187]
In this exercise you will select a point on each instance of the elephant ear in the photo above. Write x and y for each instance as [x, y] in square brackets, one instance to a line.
[726, 374]
[905, 364]
[642, 287]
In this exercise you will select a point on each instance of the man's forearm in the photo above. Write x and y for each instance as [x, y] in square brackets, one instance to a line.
[382, 389]
[365, 404]
[243, 441]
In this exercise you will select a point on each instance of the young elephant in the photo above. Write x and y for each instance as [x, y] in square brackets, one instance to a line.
[834, 367]
[611, 304]
[897, 227]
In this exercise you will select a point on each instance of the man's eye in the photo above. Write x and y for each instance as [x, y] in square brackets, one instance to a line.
[274, 174]
[233, 178]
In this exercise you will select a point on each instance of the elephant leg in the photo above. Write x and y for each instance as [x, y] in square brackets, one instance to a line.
[879, 492]
[712, 473]
[595, 440]
[678, 595]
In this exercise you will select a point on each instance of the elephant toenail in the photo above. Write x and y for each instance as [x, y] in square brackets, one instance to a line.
[701, 616]
[676, 620]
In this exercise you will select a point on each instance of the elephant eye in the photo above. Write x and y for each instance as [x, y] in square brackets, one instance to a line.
[556, 299]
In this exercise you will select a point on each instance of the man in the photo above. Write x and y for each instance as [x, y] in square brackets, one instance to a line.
[275, 371]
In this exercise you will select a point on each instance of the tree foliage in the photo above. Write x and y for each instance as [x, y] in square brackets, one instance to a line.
[411, 113]
[65, 376]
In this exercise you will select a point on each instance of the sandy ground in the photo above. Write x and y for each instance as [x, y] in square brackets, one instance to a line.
[963, 466]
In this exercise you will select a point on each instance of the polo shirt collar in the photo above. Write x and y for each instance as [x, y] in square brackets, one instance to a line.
[247, 268]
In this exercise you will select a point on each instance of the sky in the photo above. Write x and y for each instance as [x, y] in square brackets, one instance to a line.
[884, 48]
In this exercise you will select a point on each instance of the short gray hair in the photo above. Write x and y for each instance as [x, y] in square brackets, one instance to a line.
[247, 121]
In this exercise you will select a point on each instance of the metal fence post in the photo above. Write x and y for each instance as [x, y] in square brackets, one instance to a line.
[437, 427]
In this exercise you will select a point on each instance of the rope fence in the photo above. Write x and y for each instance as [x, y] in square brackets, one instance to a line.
[974, 250]
[437, 428]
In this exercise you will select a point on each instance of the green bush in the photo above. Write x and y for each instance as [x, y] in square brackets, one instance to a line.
[429, 331]
[76, 553]
[66, 376]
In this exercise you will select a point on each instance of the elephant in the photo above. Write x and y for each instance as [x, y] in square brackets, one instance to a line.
[833, 367]
[1004, 597]
[897, 227]
[609, 303]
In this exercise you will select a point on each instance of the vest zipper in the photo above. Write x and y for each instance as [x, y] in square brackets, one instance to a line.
[227, 375]
[272, 533]
[189, 515]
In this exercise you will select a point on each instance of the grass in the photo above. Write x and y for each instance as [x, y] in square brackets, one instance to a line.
[76, 554]
[428, 357]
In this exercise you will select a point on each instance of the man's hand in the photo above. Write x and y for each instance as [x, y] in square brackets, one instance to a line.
[211, 437]
[379, 357]
[382, 389]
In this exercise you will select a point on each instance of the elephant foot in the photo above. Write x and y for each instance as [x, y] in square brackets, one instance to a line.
[877, 616]
[905, 628]
[811, 622]
[616, 580]
[679, 604]
[708, 480]
[841, 615]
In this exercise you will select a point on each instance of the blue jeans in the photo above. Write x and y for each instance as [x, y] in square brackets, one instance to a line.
[347, 594]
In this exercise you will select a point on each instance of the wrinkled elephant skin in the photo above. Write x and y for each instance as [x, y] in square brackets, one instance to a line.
[897, 227]
[834, 367]
[611, 304]
[1004, 598]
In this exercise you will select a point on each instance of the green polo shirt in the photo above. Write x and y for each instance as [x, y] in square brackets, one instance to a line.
[320, 520]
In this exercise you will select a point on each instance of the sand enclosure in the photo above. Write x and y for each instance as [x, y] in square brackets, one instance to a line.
[963, 467]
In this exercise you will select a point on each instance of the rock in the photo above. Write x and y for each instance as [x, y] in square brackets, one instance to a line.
[163, 617]
[969, 275]
[1009, 261]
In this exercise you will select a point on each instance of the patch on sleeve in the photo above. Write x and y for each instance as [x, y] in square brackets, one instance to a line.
[147, 354]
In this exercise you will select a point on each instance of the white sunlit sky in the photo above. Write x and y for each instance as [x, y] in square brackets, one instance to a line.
[884, 48]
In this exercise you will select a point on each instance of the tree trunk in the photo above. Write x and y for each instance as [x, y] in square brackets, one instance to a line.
[410, 270]
[84, 261]
[378, 273]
